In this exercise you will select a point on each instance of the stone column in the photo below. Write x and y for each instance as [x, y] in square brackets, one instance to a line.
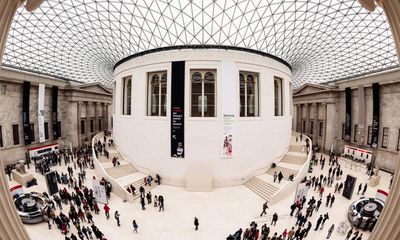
[324, 110]
[294, 120]
[96, 116]
[10, 224]
[307, 110]
[330, 131]
[387, 226]
[79, 116]
[88, 117]
[106, 117]
[315, 130]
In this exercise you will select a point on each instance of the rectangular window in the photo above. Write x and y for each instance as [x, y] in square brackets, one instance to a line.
[203, 93]
[398, 141]
[278, 96]
[32, 130]
[15, 134]
[385, 137]
[157, 94]
[59, 128]
[304, 126]
[248, 94]
[127, 95]
[46, 130]
[100, 125]
[311, 126]
[356, 133]
[1, 137]
[3, 90]
[82, 126]
[91, 125]
[369, 138]
[321, 128]
[343, 131]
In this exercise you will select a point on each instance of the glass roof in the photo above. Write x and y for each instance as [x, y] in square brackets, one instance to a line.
[324, 40]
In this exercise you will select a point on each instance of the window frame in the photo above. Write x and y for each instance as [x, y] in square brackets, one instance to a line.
[355, 137]
[343, 131]
[46, 130]
[320, 128]
[16, 137]
[385, 137]
[127, 95]
[398, 141]
[1, 137]
[203, 72]
[32, 132]
[278, 99]
[159, 105]
[369, 135]
[83, 127]
[256, 77]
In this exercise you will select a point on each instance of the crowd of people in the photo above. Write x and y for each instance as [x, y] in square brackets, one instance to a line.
[303, 209]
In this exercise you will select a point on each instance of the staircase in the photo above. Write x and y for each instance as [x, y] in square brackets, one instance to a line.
[261, 188]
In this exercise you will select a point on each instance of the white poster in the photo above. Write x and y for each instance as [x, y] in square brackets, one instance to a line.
[229, 80]
[99, 192]
[41, 112]
[302, 190]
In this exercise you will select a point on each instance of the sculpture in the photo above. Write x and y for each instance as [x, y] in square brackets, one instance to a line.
[20, 167]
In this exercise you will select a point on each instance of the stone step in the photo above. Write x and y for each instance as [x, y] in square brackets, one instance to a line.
[120, 171]
[261, 188]
[285, 171]
[137, 184]
[294, 159]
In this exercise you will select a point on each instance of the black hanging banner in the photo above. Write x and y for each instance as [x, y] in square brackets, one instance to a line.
[375, 114]
[177, 109]
[347, 123]
[56, 128]
[349, 186]
[25, 112]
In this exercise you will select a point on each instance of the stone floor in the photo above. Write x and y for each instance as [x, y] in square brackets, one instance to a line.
[220, 212]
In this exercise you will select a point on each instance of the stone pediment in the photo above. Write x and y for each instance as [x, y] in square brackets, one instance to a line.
[94, 87]
[311, 88]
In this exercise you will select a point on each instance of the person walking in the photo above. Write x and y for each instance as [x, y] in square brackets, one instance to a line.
[160, 203]
[359, 188]
[318, 222]
[328, 198]
[264, 208]
[196, 223]
[280, 177]
[365, 189]
[274, 219]
[134, 225]
[107, 211]
[330, 231]
[275, 176]
[349, 233]
[332, 200]
[116, 215]
[142, 202]
[326, 217]
[318, 204]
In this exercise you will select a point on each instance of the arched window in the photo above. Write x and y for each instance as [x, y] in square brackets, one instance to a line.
[248, 94]
[278, 101]
[203, 93]
[157, 94]
[127, 94]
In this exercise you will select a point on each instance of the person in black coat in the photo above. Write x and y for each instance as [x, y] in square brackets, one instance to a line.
[196, 223]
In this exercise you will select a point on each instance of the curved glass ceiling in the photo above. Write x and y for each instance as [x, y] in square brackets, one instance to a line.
[81, 40]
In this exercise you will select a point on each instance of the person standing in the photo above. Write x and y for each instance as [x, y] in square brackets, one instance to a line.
[107, 211]
[330, 231]
[134, 225]
[196, 223]
[264, 208]
[116, 215]
[318, 204]
[274, 219]
[142, 202]
[326, 217]
[328, 198]
[160, 203]
[275, 176]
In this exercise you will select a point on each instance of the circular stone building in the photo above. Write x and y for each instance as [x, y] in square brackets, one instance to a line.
[209, 116]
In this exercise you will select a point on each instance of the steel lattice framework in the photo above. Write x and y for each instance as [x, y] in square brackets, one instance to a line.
[81, 40]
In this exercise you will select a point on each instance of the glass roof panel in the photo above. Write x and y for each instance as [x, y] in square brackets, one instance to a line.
[82, 40]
